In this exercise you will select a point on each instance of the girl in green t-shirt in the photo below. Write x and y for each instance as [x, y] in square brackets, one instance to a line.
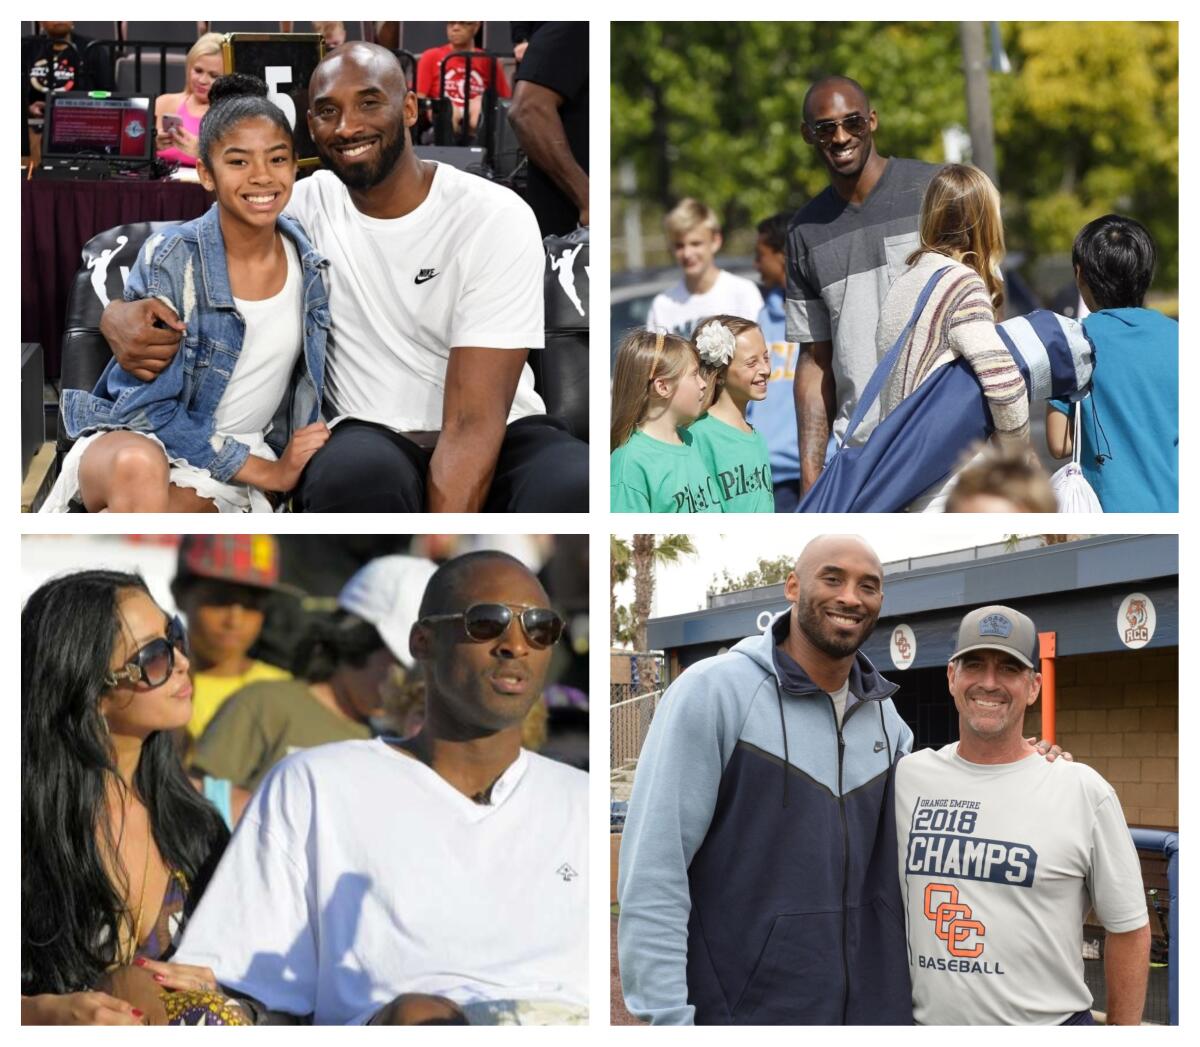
[736, 365]
[657, 390]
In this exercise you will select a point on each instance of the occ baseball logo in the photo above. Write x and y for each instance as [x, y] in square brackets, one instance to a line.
[953, 921]
[946, 849]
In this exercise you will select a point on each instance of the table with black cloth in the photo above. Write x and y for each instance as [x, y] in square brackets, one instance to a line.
[59, 217]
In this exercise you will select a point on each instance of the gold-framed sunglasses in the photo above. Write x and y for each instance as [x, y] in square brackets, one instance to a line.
[484, 622]
[153, 665]
[855, 124]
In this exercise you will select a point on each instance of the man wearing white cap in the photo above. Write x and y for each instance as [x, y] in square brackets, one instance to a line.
[1002, 855]
[340, 665]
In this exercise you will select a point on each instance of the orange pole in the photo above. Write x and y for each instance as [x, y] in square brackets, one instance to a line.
[1047, 642]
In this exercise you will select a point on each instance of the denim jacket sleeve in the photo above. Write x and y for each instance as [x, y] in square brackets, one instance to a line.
[160, 406]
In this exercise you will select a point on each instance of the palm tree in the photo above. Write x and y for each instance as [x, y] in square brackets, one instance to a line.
[618, 573]
[649, 551]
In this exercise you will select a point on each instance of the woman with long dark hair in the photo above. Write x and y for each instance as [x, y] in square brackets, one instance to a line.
[117, 845]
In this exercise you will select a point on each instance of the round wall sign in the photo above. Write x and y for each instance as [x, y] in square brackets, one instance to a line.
[904, 647]
[1136, 620]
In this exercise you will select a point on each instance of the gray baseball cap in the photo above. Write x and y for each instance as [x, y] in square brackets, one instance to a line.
[999, 628]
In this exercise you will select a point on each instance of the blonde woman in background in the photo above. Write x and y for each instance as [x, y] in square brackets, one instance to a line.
[961, 231]
[177, 116]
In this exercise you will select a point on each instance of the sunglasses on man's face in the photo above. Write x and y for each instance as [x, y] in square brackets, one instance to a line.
[483, 622]
[153, 665]
[824, 130]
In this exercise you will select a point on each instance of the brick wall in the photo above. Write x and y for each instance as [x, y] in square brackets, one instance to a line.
[1120, 714]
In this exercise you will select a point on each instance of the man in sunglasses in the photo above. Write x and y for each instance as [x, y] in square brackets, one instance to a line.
[439, 879]
[222, 585]
[844, 249]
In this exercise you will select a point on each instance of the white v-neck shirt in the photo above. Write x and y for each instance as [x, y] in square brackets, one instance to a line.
[357, 873]
[464, 268]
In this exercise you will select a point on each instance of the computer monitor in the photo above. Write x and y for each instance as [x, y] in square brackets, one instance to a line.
[99, 124]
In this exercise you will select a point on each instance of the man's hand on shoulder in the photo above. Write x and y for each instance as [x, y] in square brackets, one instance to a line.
[1049, 750]
[143, 335]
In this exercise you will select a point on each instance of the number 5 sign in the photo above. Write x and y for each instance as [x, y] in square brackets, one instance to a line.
[285, 62]
[279, 76]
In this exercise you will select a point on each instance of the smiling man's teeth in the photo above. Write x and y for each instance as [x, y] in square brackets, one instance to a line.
[261, 199]
[357, 150]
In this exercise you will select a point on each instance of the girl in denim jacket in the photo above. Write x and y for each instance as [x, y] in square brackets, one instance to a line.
[237, 412]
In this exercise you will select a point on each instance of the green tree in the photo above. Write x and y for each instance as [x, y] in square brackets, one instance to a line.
[623, 633]
[1089, 125]
[649, 551]
[638, 560]
[1086, 123]
[618, 574]
[768, 572]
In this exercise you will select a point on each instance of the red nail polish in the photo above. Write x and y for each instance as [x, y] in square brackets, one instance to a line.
[136, 1013]
[139, 961]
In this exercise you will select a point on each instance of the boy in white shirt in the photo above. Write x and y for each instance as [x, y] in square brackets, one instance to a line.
[694, 234]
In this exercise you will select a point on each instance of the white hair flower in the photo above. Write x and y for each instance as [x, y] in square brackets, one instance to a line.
[715, 344]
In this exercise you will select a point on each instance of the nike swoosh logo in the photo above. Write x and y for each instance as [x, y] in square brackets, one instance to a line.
[424, 276]
[879, 747]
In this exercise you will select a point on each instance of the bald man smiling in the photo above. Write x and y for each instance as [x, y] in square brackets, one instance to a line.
[757, 881]
[435, 298]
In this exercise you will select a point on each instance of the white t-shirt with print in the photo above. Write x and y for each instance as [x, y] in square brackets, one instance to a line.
[465, 268]
[677, 310]
[357, 873]
[999, 865]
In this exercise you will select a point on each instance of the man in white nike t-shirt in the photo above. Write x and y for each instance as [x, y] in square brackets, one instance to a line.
[1002, 854]
[435, 294]
[442, 879]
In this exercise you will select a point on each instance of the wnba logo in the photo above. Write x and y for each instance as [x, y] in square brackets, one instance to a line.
[953, 921]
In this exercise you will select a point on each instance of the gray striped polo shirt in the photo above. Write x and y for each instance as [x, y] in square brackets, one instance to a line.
[841, 259]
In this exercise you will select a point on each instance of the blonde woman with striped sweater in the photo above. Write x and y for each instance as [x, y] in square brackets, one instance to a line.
[960, 230]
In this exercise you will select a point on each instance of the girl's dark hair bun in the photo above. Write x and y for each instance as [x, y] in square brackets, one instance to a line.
[234, 85]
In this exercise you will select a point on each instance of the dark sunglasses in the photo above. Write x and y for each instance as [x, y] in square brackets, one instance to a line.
[153, 665]
[483, 622]
[855, 124]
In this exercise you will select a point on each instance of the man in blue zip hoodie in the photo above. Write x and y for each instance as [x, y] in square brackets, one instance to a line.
[757, 880]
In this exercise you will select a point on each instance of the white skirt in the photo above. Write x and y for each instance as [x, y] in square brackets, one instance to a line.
[229, 497]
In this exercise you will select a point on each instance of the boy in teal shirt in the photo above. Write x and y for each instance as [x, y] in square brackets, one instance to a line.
[1130, 421]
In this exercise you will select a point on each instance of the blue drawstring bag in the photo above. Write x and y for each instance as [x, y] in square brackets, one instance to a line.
[924, 438]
